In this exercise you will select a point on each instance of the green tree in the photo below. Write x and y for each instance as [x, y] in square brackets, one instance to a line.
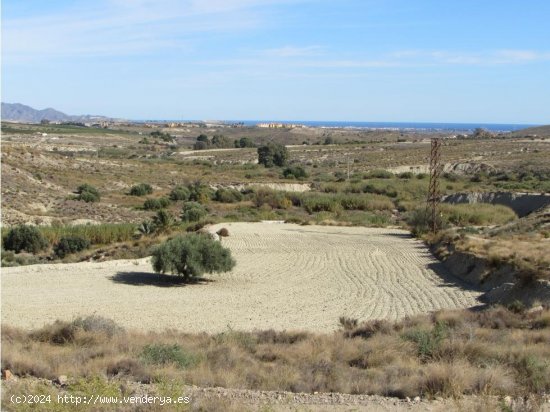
[220, 141]
[25, 238]
[272, 154]
[245, 142]
[191, 255]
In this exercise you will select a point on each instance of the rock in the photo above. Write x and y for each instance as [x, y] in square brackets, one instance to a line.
[7, 375]
[61, 380]
[417, 399]
[535, 309]
[408, 399]
[508, 401]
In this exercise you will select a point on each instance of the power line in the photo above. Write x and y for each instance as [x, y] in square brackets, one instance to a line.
[434, 196]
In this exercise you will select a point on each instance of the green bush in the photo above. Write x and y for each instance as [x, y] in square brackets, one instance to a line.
[296, 172]
[70, 244]
[162, 221]
[156, 204]
[379, 174]
[273, 198]
[179, 193]
[428, 341]
[419, 221]
[228, 195]
[193, 212]
[141, 190]
[477, 214]
[192, 255]
[199, 192]
[272, 154]
[406, 175]
[320, 203]
[88, 193]
[25, 238]
[244, 142]
[162, 354]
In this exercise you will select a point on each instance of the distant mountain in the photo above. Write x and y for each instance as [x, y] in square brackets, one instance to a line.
[16, 112]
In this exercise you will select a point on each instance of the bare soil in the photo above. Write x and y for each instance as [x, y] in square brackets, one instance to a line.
[287, 277]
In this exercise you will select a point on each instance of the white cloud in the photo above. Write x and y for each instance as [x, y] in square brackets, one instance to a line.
[122, 27]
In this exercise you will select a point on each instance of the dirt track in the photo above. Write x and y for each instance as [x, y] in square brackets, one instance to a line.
[287, 277]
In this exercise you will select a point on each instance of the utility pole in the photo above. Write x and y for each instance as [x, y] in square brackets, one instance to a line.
[433, 191]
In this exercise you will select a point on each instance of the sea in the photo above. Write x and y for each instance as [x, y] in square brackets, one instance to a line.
[403, 126]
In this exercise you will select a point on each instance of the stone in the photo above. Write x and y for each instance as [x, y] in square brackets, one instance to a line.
[61, 380]
[535, 309]
[7, 375]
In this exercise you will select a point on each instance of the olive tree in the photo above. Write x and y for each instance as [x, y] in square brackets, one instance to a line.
[191, 255]
[272, 154]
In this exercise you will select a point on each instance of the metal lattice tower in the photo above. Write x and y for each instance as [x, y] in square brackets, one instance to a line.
[434, 195]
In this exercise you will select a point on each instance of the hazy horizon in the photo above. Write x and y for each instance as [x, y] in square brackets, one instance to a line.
[348, 61]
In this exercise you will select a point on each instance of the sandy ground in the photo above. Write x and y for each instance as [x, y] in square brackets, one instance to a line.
[287, 277]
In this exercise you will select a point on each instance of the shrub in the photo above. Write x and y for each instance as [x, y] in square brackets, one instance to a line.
[179, 193]
[419, 220]
[320, 203]
[70, 244]
[272, 154]
[162, 221]
[244, 142]
[428, 341]
[156, 204]
[406, 175]
[223, 232]
[193, 212]
[228, 195]
[199, 192]
[161, 354]
[477, 214]
[275, 199]
[25, 238]
[88, 193]
[379, 174]
[192, 255]
[296, 172]
[141, 190]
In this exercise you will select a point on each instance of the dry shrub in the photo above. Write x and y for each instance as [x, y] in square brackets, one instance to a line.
[223, 232]
[284, 337]
[498, 318]
[127, 367]
[448, 379]
[370, 328]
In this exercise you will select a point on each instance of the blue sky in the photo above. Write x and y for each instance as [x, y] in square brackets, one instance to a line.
[357, 60]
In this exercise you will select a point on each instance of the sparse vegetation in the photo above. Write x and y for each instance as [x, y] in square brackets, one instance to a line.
[447, 354]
